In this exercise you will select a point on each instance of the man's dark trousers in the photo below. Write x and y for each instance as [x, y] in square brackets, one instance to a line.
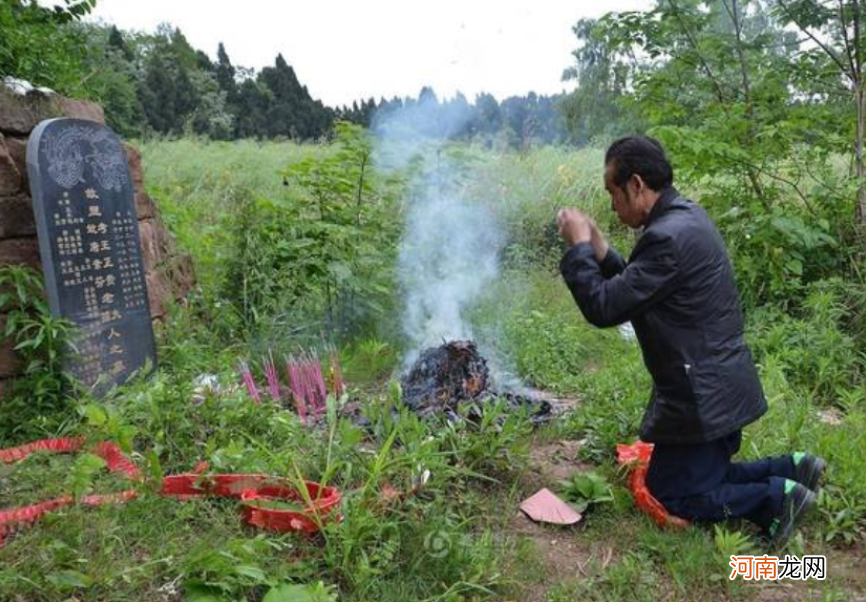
[700, 483]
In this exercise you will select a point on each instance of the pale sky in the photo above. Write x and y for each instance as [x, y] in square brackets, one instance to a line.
[345, 50]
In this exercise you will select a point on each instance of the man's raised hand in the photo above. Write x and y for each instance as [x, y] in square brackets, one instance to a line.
[575, 226]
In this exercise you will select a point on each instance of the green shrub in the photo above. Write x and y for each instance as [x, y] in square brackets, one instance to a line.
[38, 403]
[813, 350]
[323, 252]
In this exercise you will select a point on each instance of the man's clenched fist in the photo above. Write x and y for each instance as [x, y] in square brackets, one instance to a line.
[575, 226]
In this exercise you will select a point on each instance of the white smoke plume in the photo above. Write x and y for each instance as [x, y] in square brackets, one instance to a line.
[449, 253]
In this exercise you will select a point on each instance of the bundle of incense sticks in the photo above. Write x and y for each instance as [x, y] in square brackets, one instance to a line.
[306, 380]
[307, 384]
[247, 375]
[272, 376]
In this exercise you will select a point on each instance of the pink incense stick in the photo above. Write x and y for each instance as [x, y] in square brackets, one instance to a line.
[247, 376]
[319, 382]
[304, 380]
[271, 375]
[315, 383]
[297, 389]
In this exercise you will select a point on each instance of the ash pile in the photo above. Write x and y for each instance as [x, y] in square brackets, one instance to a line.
[455, 374]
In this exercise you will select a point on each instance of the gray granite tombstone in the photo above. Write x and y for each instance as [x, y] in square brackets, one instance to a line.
[84, 205]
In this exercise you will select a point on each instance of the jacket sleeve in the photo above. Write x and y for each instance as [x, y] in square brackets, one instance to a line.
[650, 276]
[612, 264]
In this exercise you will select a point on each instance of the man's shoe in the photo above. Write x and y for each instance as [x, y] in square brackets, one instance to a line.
[796, 503]
[808, 470]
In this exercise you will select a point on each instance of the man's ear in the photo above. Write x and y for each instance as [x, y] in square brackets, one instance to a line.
[637, 184]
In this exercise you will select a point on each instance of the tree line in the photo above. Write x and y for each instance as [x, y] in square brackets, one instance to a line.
[158, 83]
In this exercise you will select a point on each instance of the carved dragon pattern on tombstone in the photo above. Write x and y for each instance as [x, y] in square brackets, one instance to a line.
[66, 155]
[65, 158]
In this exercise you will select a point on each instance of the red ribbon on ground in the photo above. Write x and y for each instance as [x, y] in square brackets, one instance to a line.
[637, 457]
[252, 489]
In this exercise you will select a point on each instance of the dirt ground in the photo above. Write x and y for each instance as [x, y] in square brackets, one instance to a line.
[563, 555]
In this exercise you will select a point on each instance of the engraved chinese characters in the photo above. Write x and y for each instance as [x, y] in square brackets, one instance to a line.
[89, 244]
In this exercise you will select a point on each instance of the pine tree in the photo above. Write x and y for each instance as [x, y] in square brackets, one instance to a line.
[293, 112]
[285, 116]
[488, 114]
[251, 119]
[116, 41]
[225, 75]
[368, 109]
[184, 54]
[157, 93]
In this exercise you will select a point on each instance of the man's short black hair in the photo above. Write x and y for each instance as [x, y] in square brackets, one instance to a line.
[642, 156]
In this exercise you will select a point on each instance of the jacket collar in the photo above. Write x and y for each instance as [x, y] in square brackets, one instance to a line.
[666, 198]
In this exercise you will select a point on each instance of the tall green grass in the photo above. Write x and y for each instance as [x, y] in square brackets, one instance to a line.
[198, 183]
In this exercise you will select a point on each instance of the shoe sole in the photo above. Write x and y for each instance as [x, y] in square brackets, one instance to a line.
[802, 508]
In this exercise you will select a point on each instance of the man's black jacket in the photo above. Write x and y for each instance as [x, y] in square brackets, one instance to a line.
[678, 291]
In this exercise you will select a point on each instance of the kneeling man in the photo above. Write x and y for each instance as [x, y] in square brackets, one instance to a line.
[678, 291]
